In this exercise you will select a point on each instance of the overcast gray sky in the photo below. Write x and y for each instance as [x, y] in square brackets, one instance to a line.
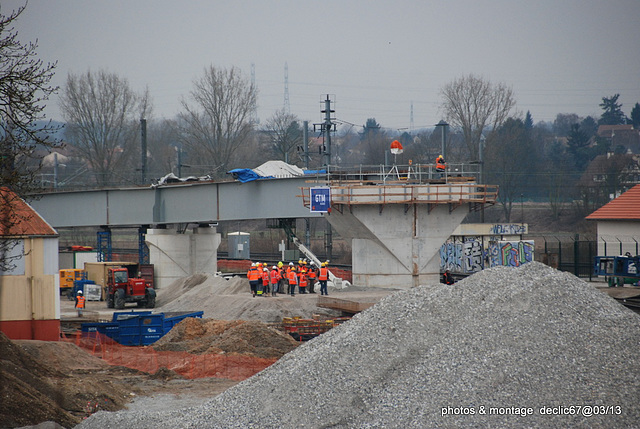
[375, 58]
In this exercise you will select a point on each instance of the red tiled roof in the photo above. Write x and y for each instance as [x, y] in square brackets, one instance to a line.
[625, 207]
[17, 218]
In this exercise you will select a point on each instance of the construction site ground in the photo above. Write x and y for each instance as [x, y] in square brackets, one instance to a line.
[62, 382]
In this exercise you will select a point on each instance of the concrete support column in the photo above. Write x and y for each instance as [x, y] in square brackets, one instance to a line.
[396, 245]
[176, 255]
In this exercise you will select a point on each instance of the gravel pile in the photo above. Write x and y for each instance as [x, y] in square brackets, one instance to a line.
[525, 347]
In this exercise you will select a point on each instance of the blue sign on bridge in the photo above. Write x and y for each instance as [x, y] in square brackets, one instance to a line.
[320, 199]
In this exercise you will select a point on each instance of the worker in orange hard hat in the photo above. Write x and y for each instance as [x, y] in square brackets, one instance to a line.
[441, 165]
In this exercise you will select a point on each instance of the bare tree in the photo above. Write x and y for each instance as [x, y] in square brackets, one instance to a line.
[24, 89]
[285, 134]
[216, 120]
[473, 104]
[102, 114]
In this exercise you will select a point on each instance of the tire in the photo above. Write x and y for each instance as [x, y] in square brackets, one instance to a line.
[151, 298]
[110, 301]
[119, 299]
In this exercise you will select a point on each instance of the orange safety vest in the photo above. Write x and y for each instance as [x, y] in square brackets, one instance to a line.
[324, 273]
[80, 302]
[440, 164]
[253, 274]
[293, 279]
[275, 276]
[312, 273]
[303, 280]
[265, 278]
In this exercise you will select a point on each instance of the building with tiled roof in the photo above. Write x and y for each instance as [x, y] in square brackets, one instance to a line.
[618, 224]
[29, 289]
[623, 135]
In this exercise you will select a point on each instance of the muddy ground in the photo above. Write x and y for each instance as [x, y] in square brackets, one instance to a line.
[63, 383]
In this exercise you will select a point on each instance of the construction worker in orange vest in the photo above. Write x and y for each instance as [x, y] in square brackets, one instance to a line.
[302, 281]
[323, 276]
[312, 275]
[265, 280]
[441, 165]
[274, 280]
[79, 303]
[293, 280]
[253, 275]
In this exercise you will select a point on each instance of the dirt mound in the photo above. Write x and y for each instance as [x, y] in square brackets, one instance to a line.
[57, 382]
[26, 384]
[251, 338]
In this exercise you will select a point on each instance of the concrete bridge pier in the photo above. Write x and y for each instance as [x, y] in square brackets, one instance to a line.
[396, 245]
[176, 255]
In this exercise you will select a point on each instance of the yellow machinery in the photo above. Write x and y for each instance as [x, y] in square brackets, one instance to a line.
[68, 276]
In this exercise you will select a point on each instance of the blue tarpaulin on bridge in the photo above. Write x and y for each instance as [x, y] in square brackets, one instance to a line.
[245, 175]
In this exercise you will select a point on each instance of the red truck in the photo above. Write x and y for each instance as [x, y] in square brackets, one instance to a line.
[123, 288]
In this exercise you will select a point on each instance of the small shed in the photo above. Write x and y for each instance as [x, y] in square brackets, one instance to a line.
[29, 284]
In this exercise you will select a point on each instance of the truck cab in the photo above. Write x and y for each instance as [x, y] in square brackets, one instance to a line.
[122, 288]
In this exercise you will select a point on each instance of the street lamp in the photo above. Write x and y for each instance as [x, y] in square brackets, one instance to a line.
[444, 128]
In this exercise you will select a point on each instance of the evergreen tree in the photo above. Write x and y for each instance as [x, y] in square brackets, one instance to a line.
[635, 116]
[612, 114]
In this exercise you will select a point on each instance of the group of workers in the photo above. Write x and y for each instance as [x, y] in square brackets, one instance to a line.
[303, 276]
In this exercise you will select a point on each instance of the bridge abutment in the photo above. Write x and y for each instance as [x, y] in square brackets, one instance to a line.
[176, 255]
[396, 246]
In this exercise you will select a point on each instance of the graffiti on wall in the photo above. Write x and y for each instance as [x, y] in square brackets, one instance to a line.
[510, 253]
[473, 255]
[508, 229]
[462, 256]
[451, 256]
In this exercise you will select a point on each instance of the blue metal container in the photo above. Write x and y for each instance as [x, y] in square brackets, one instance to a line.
[138, 328]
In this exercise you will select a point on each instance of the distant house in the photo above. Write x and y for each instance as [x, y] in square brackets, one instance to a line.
[618, 224]
[621, 135]
[29, 289]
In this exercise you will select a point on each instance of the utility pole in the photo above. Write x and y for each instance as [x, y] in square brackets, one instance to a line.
[143, 149]
[327, 126]
[305, 143]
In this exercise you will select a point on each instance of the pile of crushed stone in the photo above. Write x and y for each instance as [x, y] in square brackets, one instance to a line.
[250, 338]
[507, 347]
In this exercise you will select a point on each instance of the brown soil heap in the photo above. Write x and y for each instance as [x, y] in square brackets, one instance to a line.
[250, 338]
[65, 389]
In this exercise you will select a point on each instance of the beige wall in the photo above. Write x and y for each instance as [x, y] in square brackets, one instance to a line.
[617, 233]
[33, 295]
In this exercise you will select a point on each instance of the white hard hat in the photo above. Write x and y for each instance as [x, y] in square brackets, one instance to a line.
[274, 267]
[79, 292]
[253, 264]
[290, 263]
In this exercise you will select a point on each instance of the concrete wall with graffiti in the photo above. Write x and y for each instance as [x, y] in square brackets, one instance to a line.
[467, 255]
[510, 253]
[464, 255]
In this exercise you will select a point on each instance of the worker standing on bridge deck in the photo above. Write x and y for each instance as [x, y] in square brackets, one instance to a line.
[79, 303]
[293, 281]
[441, 165]
[323, 276]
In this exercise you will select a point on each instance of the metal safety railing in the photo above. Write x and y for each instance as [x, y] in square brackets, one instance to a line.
[410, 173]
